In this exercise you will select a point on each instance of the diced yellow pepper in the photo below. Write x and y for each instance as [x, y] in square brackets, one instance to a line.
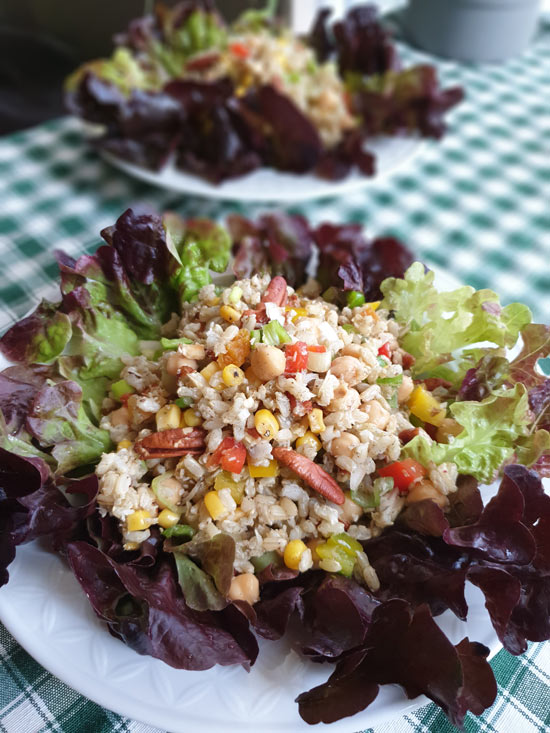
[423, 405]
[229, 314]
[168, 519]
[214, 505]
[299, 313]
[309, 439]
[191, 418]
[266, 424]
[168, 417]
[232, 375]
[225, 480]
[316, 422]
[124, 445]
[141, 519]
[264, 471]
[293, 554]
[374, 305]
[209, 370]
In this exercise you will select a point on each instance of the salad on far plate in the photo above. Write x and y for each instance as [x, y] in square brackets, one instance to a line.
[221, 100]
[217, 456]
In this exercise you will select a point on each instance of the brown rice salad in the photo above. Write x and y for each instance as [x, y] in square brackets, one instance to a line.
[275, 417]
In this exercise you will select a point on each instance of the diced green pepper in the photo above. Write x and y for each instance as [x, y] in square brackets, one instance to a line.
[263, 561]
[179, 531]
[184, 402]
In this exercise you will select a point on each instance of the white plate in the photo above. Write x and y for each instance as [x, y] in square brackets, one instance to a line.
[268, 184]
[45, 609]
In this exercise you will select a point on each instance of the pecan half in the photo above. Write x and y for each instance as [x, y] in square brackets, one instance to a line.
[311, 473]
[276, 292]
[171, 443]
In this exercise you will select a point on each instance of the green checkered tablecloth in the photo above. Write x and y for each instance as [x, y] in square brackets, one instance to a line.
[477, 205]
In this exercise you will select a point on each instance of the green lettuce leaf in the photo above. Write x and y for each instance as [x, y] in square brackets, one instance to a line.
[438, 325]
[198, 587]
[57, 420]
[494, 429]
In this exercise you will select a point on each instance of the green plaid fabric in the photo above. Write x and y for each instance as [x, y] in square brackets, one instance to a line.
[476, 204]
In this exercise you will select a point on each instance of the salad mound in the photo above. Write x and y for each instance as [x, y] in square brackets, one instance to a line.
[222, 100]
[213, 460]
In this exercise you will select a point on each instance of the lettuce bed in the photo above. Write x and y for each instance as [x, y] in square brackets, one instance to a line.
[173, 606]
[152, 106]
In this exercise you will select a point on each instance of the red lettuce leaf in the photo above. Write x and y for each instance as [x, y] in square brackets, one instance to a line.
[536, 345]
[404, 647]
[281, 244]
[147, 611]
[403, 102]
[38, 338]
[362, 44]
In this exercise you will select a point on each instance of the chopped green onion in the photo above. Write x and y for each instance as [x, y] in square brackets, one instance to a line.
[395, 381]
[349, 328]
[293, 77]
[181, 531]
[274, 334]
[120, 388]
[255, 337]
[184, 402]
[172, 344]
[235, 295]
[263, 561]
[392, 400]
[383, 362]
[355, 299]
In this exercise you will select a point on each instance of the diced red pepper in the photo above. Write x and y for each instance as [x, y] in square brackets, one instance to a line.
[299, 409]
[296, 358]
[403, 473]
[125, 397]
[316, 349]
[240, 50]
[385, 351]
[230, 455]
[408, 360]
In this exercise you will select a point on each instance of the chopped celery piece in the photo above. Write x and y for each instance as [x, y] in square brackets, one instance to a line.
[164, 494]
[172, 344]
[180, 531]
[349, 328]
[395, 381]
[274, 334]
[120, 388]
[342, 548]
[235, 295]
[355, 299]
[255, 337]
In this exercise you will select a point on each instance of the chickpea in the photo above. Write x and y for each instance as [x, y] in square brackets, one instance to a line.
[193, 351]
[267, 362]
[344, 398]
[348, 368]
[405, 389]
[344, 445]
[349, 511]
[245, 587]
[376, 414]
[352, 350]
[426, 490]
[176, 362]
[169, 491]
[120, 417]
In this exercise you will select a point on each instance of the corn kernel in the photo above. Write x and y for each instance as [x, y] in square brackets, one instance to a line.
[309, 439]
[232, 375]
[229, 314]
[374, 305]
[264, 471]
[214, 505]
[316, 422]
[424, 405]
[168, 417]
[138, 521]
[293, 553]
[209, 370]
[214, 301]
[191, 418]
[124, 445]
[266, 424]
[168, 519]
[299, 313]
